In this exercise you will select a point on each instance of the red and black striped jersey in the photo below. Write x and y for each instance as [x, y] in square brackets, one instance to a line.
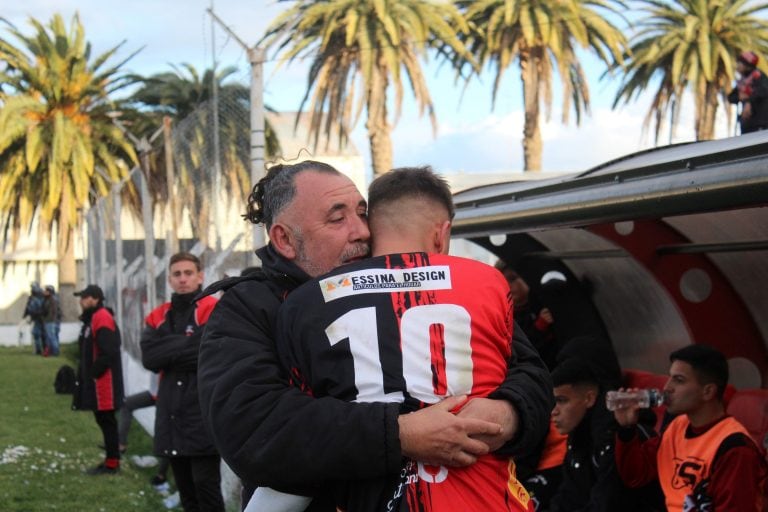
[412, 329]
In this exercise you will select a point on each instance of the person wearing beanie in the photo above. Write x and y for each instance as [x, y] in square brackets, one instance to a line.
[751, 91]
[99, 385]
[169, 346]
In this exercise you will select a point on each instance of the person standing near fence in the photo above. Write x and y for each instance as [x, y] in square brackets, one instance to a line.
[35, 310]
[169, 346]
[51, 320]
[100, 373]
[751, 92]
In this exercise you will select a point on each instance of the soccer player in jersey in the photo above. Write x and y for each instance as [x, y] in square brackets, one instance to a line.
[411, 325]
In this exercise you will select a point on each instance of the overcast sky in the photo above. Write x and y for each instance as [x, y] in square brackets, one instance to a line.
[471, 137]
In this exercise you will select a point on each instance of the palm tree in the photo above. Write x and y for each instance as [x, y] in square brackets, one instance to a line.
[186, 96]
[370, 40]
[690, 45]
[58, 145]
[542, 35]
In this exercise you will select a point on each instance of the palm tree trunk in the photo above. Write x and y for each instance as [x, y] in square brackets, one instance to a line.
[706, 126]
[378, 126]
[531, 131]
[65, 252]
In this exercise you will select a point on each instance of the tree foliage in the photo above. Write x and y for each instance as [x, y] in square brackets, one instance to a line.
[542, 36]
[59, 149]
[690, 45]
[187, 97]
[358, 49]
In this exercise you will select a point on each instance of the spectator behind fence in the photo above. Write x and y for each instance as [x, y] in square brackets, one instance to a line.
[273, 434]
[704, 460]
[459, 317]
[51, 319]
[169, 346]
[100, 373]
[35, 310]
[751, 92]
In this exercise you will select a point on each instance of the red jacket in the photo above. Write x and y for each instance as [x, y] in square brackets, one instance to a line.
[100, 371]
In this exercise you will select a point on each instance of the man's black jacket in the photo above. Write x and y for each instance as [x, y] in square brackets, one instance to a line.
[170, 343]
[758, 98]
[272, 434]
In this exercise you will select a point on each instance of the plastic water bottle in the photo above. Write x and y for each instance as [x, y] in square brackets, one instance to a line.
[644, 398]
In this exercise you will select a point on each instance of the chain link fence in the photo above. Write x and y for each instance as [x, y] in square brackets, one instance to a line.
[191, 202]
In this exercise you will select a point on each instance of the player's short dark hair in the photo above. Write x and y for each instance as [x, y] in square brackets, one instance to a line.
[277, 188]
[185, 256]
[574, 371]
[708, 363]
[410, 182]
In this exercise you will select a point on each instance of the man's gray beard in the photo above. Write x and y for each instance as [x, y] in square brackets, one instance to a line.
[358, 250]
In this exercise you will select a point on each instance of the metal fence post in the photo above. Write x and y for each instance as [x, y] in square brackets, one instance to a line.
[149, 242]
[117, 205]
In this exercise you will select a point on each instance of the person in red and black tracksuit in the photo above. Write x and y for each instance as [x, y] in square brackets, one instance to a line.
[169, 346]
[100, 373]
[752, 92]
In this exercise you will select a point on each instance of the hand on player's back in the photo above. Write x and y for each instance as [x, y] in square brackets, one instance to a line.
[495, 411]
[436, 436]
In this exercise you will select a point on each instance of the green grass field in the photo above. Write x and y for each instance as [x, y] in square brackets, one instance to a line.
[45, 446]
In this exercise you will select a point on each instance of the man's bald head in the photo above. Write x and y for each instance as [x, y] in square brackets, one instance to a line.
[409, 210]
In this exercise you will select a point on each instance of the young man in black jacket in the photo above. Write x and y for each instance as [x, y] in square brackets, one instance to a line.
[590, 479]
[169, 346]
[274, 435]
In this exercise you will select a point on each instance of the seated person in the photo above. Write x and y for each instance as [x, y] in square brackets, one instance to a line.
[590, 481]
[542, 471]
[704, 460]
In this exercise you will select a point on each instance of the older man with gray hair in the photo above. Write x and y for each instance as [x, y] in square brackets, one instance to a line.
[273, 434]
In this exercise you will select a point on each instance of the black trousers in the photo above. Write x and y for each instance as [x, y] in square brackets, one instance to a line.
[199, 482]
[107, 422]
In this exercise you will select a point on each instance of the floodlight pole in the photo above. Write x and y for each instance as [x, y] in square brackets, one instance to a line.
[256, 59]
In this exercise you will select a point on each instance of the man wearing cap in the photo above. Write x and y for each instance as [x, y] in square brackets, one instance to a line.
[752, 92]
[100, 374]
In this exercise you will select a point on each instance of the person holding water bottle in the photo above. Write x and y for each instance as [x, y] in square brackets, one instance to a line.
[705, 459]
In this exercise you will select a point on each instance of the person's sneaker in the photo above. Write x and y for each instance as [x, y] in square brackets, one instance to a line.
[172, 501]
[101, 469]
[160, 484]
